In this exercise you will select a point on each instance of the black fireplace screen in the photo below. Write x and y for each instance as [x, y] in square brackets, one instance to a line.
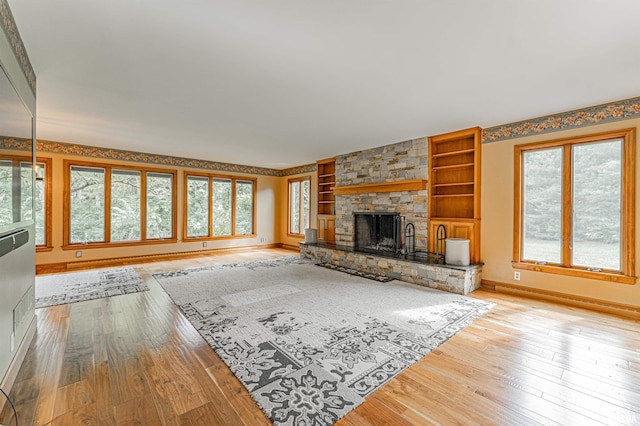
[376, 232]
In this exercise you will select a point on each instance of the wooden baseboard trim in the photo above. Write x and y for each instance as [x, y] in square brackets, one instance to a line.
[629, 311]
[48, 268]
[290, 247]
[11, 374]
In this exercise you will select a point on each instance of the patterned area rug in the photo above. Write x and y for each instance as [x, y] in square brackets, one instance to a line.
[309, 343]
[58, 289]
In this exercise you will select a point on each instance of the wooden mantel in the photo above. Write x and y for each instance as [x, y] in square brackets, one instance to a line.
[365, 188]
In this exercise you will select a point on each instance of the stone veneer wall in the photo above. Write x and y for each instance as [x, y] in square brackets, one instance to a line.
[391, 163]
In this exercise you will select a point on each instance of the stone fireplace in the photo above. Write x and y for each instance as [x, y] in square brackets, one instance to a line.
[377, 192]
[400, 162]
[377, 232]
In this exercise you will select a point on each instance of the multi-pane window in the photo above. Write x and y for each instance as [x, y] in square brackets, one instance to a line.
[197, 206]
[244, 207]
[119, 204]
[222, 201]
[87, 213]
[125, 205]
[159, 205]
[219, 206]
[299, 201]
[575, 203]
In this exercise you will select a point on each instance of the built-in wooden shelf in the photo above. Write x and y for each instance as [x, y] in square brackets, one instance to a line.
[456, 152]
[365, 188]
[452, 195]
[454, 179]
[438, 185]
[326, 170]
[453, 166]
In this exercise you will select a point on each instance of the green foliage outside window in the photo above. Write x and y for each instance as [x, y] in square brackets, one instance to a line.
[244, 207]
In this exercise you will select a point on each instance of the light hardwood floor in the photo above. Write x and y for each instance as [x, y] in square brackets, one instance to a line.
[134, 359]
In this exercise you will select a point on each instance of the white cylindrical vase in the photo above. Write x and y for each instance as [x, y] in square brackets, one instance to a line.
[456, 251]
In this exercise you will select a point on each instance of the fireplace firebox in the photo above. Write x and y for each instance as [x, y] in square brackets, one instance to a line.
[377, 232]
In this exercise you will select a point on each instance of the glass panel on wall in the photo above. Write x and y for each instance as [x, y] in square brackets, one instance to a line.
[197, 206]
[26, 189]
[39, 197]
[221, 207]
[294, 207]
[542, 205]
[87, 204]
[6, 201]
[159, 205]
[306, 203]
[125, 205]
[244, 207]
[299, 194]
[597, 204]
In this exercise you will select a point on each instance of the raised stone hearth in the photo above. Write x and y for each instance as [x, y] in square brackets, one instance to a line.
[451, 278]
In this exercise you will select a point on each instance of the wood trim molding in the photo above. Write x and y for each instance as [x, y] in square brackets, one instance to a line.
[626, 275]
[365, 188]
[576, 272]
[290, 247]
[629, 311]
[47, 268]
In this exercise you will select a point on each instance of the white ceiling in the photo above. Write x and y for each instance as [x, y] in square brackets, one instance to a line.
[282, 83]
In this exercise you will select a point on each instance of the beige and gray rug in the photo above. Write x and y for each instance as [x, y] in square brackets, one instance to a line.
[310, 343]
[58, 289]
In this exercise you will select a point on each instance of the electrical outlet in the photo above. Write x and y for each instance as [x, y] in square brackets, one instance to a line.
[78, 253]
[516, 275]
[13, 341]
[262, 240]
[204, 244]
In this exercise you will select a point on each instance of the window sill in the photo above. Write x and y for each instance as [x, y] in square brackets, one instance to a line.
[299, 236]
[41, 249]
[582, 273]
[78, 246]
[224, 237]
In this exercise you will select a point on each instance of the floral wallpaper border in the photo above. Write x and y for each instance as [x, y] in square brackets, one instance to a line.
[613, 111]
[307, 168]
[19, 144]
[10, 28]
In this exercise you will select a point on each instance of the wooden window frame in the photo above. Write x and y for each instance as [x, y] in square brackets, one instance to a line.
[627, 232]
[108, 167]
[289, 182]
[210, 235]
[48, 174]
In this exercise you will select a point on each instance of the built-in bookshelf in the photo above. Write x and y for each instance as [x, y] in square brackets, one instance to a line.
[326, 170]
[454, 186]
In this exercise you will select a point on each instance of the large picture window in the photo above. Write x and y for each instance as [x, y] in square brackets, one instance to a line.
[299, 202]
[219, 206]
[118, 205]
[574, 208]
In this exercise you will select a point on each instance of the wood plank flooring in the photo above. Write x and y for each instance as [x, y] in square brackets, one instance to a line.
[134, 360]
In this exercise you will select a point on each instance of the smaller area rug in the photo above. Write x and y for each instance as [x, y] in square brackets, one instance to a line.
[58, 289]
[311, 343]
